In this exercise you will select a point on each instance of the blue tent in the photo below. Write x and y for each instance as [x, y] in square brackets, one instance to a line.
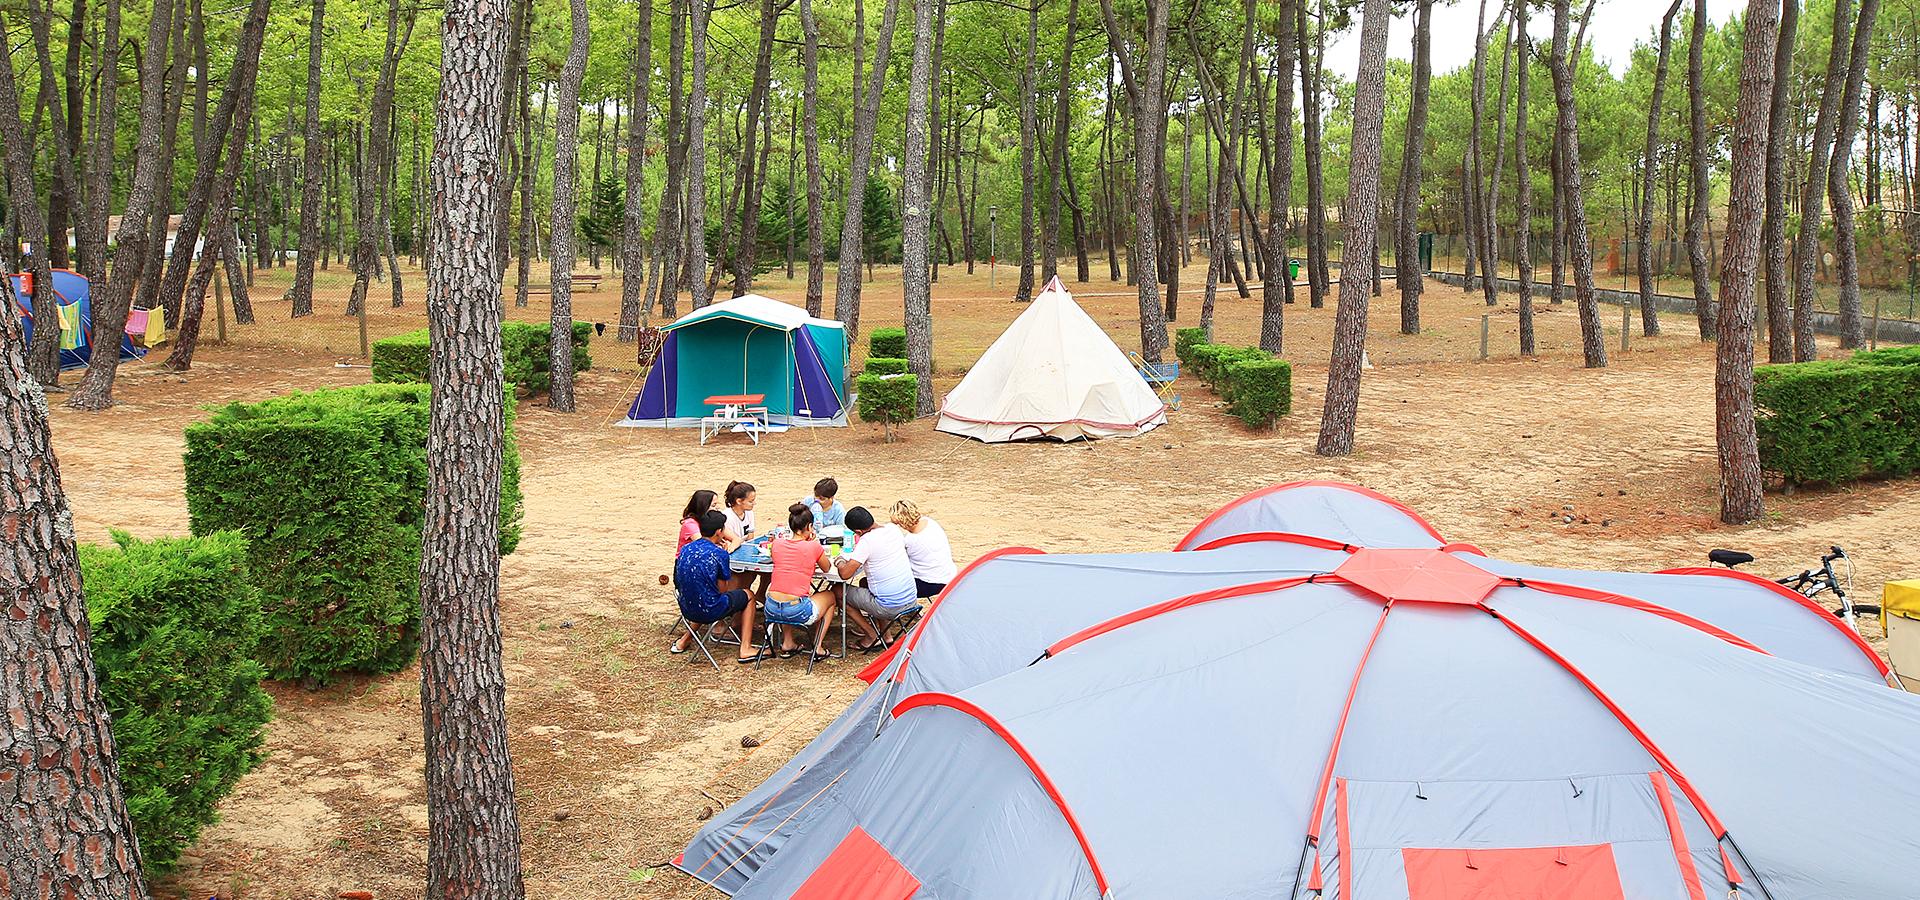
[747, 345]
[69, 288]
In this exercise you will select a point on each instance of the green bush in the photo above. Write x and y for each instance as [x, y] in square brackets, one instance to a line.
[888, 400]
[890, 343]
[1837, 420]
[175, 623]
[886, 365]
[524, 347]
[329, 488]
[1184, 341]
[1212, 362]
[1261, 390]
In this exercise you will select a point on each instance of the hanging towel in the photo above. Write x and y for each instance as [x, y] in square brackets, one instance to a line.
[70, 336]
[156, 326]
[137, 324]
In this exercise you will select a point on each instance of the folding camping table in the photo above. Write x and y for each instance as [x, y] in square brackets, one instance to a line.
[756, 556]
[731, 410]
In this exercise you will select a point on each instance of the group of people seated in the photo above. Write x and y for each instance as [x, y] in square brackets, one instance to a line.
[886, 570]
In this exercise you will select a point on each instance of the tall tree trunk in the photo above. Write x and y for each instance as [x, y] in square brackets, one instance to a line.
[1062, 128]
[916, 232]
[66, 832]
[1029, 134]
[523, 262]
[1739, 447]
[1853, 330]
[866, 118]
[372, 176]
[1593, 339]
[1146, 89]
[1649, 312]
[1280, 185]
[41, 361]
[754, 175]
[633, 245]
[1491, 233]
[1310, 143]
[696, 165]
[91, 230]
[134, 239]
[566, 153]
[1360, 214]
[816, 209]
[64, 196]
[1773, 240]
[1697, 162]
[519, 38]
[152, 274]
[62, 116]
[670, 222]
[1813, 190]
[1476, 208]
[473, 830]
[1406, 271]
[1523, 178]
[312, 163]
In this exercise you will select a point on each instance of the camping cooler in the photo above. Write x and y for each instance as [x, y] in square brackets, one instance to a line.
[1900, 616]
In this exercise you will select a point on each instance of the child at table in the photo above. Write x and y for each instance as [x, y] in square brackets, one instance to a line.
[740, 498]
[791, 600]
[702, 501]
[827, 513]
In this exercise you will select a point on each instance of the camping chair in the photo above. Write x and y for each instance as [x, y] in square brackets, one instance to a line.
[703, 636]
[806, 632]
[897, 627]
[1160, 376]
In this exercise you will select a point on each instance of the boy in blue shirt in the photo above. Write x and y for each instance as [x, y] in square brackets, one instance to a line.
[698, 572]
[826, 512]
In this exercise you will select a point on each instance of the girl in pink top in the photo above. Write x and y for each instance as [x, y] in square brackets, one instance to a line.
[791, 600]
[690, 519]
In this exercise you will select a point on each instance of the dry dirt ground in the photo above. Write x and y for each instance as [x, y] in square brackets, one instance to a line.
[619, 748]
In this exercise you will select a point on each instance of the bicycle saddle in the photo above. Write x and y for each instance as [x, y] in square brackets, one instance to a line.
[1729, 558]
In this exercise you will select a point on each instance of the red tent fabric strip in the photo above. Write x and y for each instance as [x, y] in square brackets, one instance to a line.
[1340, 727]
[1797, 597]
[1689, 873]
[1177, 603]
[1254, 537]
[1187, 542]
[966, 707]
[1587, 593]
[1343, 836]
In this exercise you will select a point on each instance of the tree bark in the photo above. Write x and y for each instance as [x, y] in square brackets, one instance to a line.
[519, 37]
[1476, 209]
[473, 830]
[696, 165]
[1773, 240]
[1593, 339]
[669, 223]
[1697, 162]
[1360, 214]
[1029, 134]
[91, 231]
[1280, 185]
[41, 361]
[64, 140]
[1310, 142]
[633, 245]
[1406, 271]
[866, 118]
[816, 211]
[1523, 178]
[916, 233]
[1739, 448]
[311, 166]
[754, 175]
[64, 196]
[1062, 128]
[134, 238]
[1813, 190]
[1146, 88]
[566, 153]
[1649, 312]
[1853, 331]
[373, 165]
[1491, 232]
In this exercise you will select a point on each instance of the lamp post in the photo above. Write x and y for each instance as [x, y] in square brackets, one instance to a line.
[993, 247]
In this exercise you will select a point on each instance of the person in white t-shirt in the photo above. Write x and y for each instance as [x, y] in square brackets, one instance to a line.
[889, 592]
[928, 552]
[740, 498]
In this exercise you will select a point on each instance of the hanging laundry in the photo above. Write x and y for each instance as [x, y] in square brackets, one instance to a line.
[137, 324]
[156, 326]
[71, 337]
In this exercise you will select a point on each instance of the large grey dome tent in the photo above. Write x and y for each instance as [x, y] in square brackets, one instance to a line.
[1318, 696]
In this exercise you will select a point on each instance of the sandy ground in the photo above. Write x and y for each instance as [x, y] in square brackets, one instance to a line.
[619, 748]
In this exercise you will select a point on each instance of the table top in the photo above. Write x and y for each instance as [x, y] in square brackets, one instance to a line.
[754, 556]
[734, 399]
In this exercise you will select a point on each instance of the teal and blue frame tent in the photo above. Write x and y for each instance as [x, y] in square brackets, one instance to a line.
[747, 345]
[1316, 696]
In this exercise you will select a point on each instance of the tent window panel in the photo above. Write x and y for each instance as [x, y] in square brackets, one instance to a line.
[1566, 873]
[859, 869]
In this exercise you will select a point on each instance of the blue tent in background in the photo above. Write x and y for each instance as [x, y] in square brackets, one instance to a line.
[69, 289]
[747, 345]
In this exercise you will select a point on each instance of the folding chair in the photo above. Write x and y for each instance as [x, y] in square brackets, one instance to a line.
[897, 627]
[1159, 376]
[703, 635]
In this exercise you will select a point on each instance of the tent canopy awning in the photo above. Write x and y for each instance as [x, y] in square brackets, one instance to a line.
[755, 309]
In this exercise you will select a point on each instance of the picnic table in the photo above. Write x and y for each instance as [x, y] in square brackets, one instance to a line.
[755, 556]
[731, 410]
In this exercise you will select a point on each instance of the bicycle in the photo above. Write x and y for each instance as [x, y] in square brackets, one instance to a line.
[1811, 584]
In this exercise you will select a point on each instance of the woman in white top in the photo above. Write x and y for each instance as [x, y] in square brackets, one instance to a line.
[927, 549]
[740, 498]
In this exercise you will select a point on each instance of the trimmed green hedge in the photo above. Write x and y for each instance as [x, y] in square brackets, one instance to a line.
[524, 345]
[889, 343]
[886, 365]
[329, 487]
[888, 400]
[1184, 340]
[175, 623]
[1830, 421]
[1261, 390]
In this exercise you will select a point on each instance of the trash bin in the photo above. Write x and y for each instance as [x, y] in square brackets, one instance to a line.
[1426, 252]
[1293, 269]
[1900, 618]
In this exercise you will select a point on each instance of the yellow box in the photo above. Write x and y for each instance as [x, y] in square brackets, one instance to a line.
[1900, 617]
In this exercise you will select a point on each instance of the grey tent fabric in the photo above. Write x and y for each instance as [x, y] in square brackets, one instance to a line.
[1291, 717]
